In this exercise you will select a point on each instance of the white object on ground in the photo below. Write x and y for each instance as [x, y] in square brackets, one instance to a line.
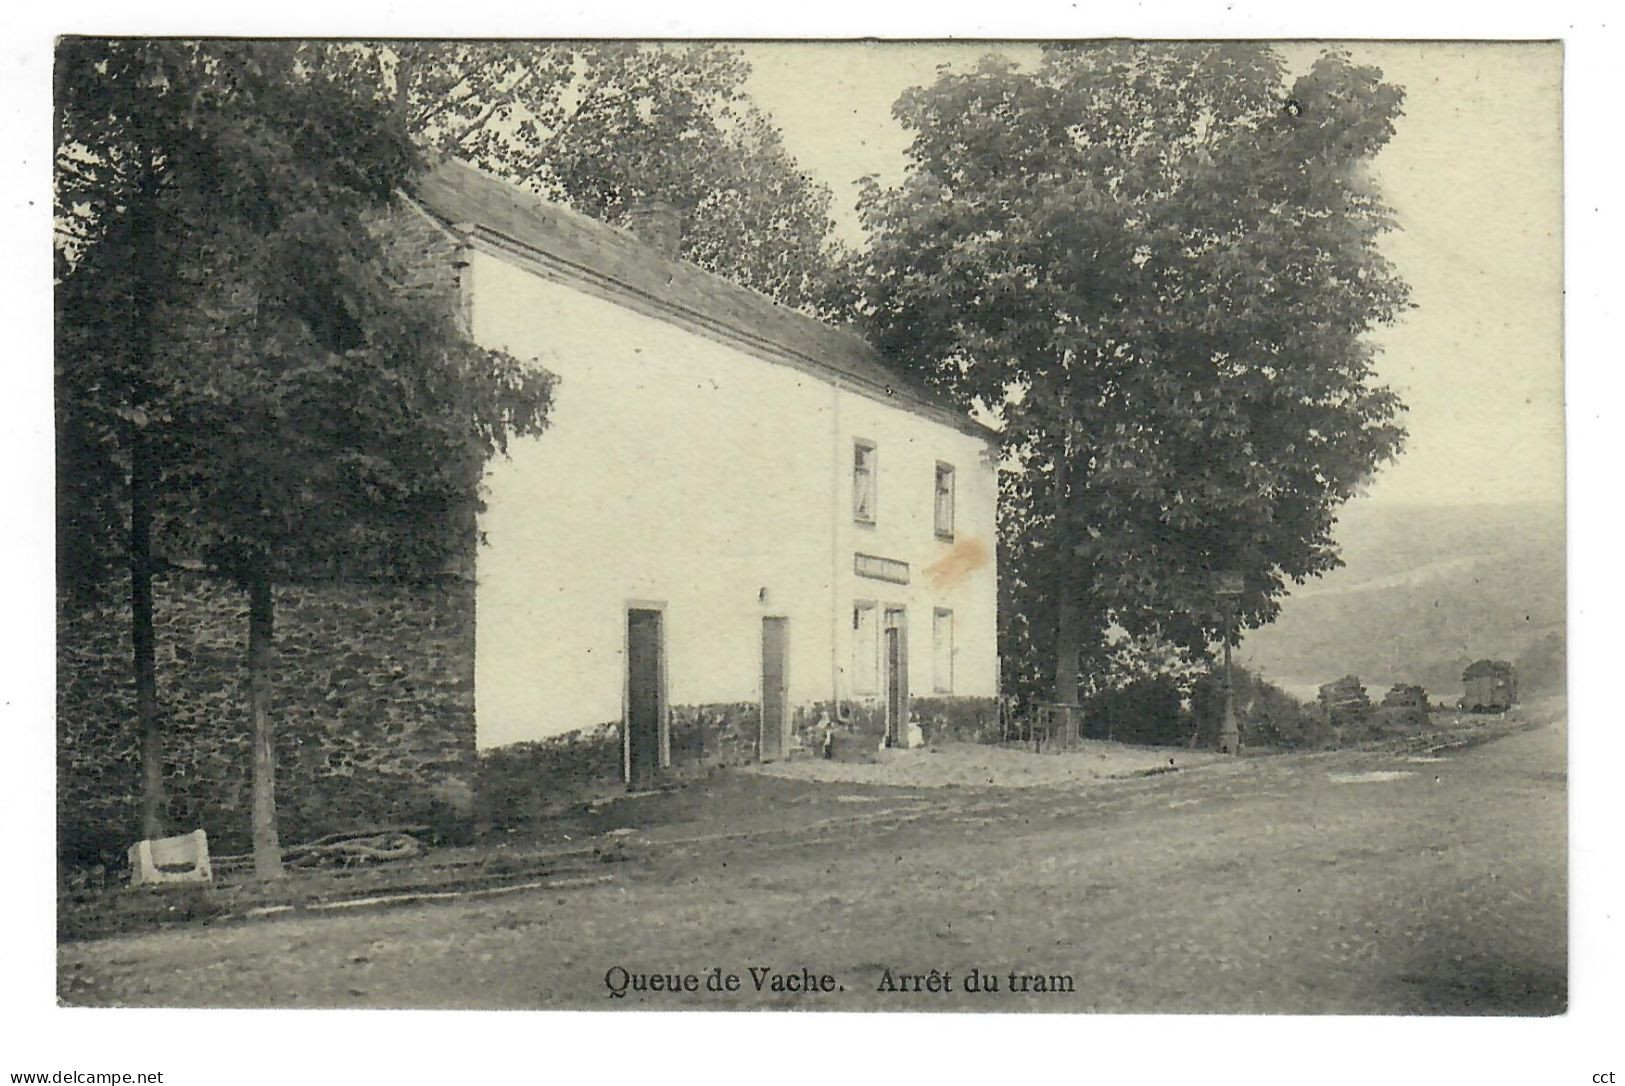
[166, 861]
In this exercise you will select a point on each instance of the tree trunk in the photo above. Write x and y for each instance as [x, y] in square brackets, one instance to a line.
[1065, 729]
[143, 641]
[1068, 633]
[1068, 619]
[142, 638]
[1229, 735]
[267, 849]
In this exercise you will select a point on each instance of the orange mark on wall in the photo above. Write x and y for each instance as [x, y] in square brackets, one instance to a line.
[963, 558]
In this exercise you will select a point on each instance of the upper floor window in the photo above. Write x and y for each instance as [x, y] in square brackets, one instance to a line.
[944, 504]
[863, 482]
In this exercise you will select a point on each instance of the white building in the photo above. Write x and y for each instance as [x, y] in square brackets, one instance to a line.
[735, 506]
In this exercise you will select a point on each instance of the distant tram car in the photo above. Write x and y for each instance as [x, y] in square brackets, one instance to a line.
[1492, 687]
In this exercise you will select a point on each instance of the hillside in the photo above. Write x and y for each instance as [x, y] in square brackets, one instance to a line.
[1425, 591]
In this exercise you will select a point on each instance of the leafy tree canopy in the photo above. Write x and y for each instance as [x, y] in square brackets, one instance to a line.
[600, 125]
[241, 347]
[232, 301]
[1156, 263]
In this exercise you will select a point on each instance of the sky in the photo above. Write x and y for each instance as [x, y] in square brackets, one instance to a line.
[1473, 173]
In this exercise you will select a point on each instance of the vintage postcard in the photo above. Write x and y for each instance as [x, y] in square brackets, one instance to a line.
[977, 526]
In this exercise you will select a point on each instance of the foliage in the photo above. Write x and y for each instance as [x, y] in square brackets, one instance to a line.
[237, 335]
[1142, 710]
[304, 400]
[1162, 710]
[601, 125]
[1268, 715]
[164, 149]
[1543, 666]
[1156, 264]
[335, 442]
[1130, 659]
[91, 409]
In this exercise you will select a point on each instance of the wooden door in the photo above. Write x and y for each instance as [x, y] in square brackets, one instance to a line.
[643, 698]
[775, 687]
[896, 679]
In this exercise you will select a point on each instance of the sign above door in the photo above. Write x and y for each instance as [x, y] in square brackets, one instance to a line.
[880, 569]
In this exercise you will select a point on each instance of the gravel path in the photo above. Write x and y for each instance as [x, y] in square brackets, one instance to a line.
[978, 765]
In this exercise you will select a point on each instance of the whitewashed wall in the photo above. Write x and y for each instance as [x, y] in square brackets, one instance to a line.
[958, 575]
[679, 470]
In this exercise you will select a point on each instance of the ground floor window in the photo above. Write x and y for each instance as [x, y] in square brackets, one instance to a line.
[942, 650]
[865, 648]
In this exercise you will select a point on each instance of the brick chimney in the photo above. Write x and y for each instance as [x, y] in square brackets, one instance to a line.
[657, 224]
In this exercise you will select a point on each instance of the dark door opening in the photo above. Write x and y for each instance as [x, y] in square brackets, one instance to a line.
[896, 679]
[775, 687]
[643, 698]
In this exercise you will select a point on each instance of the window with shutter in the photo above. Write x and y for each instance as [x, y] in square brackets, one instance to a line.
[945, 500]
[863, 482]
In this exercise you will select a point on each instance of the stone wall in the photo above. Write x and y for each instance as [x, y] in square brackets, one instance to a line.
[522, 783]
[373, 702]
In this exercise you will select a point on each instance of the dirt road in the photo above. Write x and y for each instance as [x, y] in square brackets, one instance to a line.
[1340, 883]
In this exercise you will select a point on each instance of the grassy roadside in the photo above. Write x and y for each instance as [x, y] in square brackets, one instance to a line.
[796, 804]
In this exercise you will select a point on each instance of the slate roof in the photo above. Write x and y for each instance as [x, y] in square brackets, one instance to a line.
[616, 262]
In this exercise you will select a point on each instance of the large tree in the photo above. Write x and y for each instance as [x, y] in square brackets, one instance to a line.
[1157, 264]
[285, 398]
[126, 126]
[601, 125]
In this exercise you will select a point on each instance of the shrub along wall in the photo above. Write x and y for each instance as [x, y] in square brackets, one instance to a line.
[965, 720]
[970, 720]
[373, 701]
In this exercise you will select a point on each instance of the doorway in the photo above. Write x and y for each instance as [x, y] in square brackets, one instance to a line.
[775, 687]
[644, 697]
[896, 643]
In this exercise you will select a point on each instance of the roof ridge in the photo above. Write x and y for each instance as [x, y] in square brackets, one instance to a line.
[461, 192]
[623, 236]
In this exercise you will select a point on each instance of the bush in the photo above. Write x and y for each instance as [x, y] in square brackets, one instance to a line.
[1145, 711]
[1267, 715]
